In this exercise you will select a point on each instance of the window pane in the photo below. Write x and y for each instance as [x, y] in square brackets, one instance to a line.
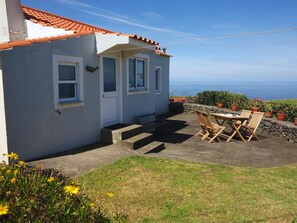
[140, 73]
[109, 73]
[67, 91]
[132, 73]
[66, 72]
[157, 80]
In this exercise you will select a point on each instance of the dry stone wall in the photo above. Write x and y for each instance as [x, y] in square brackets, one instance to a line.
[270, 126]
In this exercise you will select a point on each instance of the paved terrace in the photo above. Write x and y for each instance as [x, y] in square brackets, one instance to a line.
[181, 144]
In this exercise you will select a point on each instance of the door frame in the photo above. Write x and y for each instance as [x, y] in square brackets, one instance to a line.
[119, 86]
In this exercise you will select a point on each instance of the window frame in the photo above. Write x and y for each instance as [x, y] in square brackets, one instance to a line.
[75, 82]
[136, 89]
[159, 89]
[77, 62]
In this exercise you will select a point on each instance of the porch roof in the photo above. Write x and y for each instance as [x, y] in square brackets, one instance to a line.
[119, 42]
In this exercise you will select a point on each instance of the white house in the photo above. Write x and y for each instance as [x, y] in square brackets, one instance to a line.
[61, 80]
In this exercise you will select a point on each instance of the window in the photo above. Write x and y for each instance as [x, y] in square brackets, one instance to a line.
[109, 74]
[68, 79]
[158, 79]
[138, 79]
[67, 82]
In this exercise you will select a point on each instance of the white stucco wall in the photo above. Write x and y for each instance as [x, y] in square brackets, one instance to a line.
[34, 127]
[4, 32]
[147, 102]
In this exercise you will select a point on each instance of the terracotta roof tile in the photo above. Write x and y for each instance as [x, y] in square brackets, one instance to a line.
[56, 21]
[159, 52]
[49, 19]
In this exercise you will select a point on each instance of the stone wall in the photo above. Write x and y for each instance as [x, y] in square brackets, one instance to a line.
[270, 126]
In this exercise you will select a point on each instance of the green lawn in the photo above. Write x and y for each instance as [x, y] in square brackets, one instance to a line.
[163, 190]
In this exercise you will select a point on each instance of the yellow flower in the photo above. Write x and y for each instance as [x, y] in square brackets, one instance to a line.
[71, 189]
[13, 180]
[22, 163]
[3, 168]
[1, 178]
[8, 171]
[110, 194]
[13, 156]
[3, 209]
[51, 179]
[92, 205]
[8, 192]
[15, 172]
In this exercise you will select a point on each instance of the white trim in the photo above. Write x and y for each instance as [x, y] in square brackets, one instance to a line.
[121, 111]
[139, 90]
[159, 91]
[3, 132]
[69, 102]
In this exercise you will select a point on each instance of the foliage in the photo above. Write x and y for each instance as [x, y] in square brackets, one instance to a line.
[224, 97]
[267, 107]
[35, 195]
[163, 190]
[288, 109]
[257, 102]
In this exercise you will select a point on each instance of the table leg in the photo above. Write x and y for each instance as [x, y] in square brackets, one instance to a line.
[220, 123]
[236, 130]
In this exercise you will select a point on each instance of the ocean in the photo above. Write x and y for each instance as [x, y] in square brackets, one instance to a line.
[266, 90]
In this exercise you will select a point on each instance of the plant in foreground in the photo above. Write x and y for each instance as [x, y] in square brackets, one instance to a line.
[36, 195]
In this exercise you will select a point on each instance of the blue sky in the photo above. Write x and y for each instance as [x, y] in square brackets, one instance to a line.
[210, 39]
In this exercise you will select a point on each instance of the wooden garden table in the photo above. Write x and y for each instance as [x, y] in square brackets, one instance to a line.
[235, 122]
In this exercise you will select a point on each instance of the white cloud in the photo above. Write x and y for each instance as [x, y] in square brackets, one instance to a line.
[153, 15]
[110, 15]
[223, 26]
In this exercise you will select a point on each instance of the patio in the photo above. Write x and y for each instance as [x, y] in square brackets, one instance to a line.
[180, 143]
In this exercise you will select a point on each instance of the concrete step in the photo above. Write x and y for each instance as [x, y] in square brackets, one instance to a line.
[138, 141]
[153, 147]
[117, 133]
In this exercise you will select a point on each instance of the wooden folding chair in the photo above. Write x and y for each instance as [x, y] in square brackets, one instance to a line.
[203, 132]
[244, 113]
[214, 131]
[253, 124]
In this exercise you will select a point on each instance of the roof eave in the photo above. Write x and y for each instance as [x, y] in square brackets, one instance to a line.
[106, 42]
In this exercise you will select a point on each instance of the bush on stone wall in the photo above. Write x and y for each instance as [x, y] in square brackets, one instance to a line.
[226, 98]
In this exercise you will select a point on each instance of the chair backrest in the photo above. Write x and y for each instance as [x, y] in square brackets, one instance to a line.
[200, 119]
[246, 113]
[255, 120]
[206, 120]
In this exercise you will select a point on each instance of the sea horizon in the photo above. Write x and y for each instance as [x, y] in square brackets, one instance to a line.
[266, 90]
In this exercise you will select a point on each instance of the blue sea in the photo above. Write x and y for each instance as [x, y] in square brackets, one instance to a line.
[266, 90]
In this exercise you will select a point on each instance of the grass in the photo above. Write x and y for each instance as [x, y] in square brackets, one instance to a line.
[162, 190]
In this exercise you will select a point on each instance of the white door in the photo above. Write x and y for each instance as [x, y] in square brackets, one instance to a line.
[109, 91]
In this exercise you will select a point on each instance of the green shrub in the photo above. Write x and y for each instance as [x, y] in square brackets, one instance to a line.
[35, 195]
[267, 107]
[225, 97]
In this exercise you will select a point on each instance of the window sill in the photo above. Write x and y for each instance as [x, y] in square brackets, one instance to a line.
[69, 104]
[158, 92]
[133, 92]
